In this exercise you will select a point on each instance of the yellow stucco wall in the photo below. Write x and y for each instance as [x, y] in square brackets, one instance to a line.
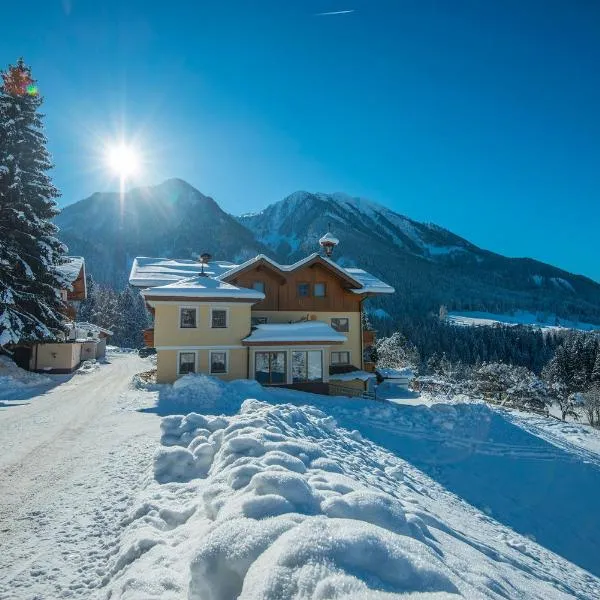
[353, 345]
[167, 364]
[168, 333]
[169, 338]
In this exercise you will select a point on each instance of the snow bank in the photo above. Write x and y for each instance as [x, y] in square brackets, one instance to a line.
[277, 501]
[13, 377]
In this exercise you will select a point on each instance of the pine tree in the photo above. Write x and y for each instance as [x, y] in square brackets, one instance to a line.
[133, 319]
[30, 303]
[596, 369]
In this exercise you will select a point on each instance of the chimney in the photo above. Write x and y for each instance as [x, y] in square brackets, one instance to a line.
[205, 258]
[328, 242]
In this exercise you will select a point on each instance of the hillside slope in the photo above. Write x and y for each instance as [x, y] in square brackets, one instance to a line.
[428, 265]
[170, 219]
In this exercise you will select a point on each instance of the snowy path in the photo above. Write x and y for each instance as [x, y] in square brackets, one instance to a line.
[67, 477]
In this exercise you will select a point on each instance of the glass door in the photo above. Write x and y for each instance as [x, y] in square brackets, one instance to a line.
[270, 368]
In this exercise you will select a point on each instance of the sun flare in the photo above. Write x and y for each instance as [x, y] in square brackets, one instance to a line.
[123, 160]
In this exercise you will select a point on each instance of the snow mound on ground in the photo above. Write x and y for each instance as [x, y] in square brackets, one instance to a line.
[88, 366]
[12, 376]
[276, 502]
[201, 393]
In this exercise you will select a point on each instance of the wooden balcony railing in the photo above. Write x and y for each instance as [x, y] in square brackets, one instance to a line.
[149, 338]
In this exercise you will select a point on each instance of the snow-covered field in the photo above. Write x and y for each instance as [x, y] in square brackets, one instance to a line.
[473, 318]
[289, 495]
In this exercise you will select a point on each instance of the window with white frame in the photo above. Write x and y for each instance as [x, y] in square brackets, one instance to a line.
[187, 363]
[320, 290]
[188, 318]
[340, 324]
[340, 358]
[218, 362]
[218, 318]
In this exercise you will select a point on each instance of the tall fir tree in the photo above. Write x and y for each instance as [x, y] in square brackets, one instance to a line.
[30, 302]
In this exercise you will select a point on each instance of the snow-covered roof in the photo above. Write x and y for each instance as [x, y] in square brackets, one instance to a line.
[202, 286]
[304, 331]
[329, 238]
[71, 268]
[388, 373]
[154, 272]
[92, 327]
[370, 283]
[352, 376]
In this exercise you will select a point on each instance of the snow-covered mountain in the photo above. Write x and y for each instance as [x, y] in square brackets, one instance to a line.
[428, 265]
[295, 224]
[170, 219]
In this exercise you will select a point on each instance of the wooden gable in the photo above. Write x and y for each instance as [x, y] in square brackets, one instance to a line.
[281, 287]
[79, 288]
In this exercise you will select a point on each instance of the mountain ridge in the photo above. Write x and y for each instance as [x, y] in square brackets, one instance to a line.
[428, 264]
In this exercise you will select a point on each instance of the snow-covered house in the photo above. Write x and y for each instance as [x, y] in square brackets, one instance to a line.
[294, 325]
[66, 355]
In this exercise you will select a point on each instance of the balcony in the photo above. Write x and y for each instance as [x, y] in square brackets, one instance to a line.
[149, 338]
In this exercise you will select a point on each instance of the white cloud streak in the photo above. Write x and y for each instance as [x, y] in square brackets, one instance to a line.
[334, 12]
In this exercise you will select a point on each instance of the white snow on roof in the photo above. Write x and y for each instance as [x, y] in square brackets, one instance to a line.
[71, 268]
[84, 325]
[370, 283]
[330, 238]
[203, 286]
[352, 376]
[154, 272]
[389, 373]
[304, 331]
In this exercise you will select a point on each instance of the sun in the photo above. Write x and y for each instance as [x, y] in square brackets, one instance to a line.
[123, 160]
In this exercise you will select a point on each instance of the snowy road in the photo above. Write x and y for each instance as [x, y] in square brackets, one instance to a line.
[67, 477]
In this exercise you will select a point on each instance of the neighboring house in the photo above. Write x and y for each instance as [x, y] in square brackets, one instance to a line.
[81, 341]
[294, 325]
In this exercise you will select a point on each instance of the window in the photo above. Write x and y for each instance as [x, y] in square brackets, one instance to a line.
[219, 319]
[269, 367]
[258, 321]
[307, 366]
[188, 318]
[187, 362]
[259, 286]
[340, 358]
[218, 362]
[320, 290]
[303, 290]
[340, 324]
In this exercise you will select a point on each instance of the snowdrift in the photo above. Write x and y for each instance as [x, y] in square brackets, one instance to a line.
[279, 502]
[13, 377]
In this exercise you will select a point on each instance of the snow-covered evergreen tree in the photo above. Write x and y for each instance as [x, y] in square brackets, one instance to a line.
[30, 302]
[133, 319]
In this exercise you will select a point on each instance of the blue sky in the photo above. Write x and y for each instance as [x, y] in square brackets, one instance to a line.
[482, 117]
